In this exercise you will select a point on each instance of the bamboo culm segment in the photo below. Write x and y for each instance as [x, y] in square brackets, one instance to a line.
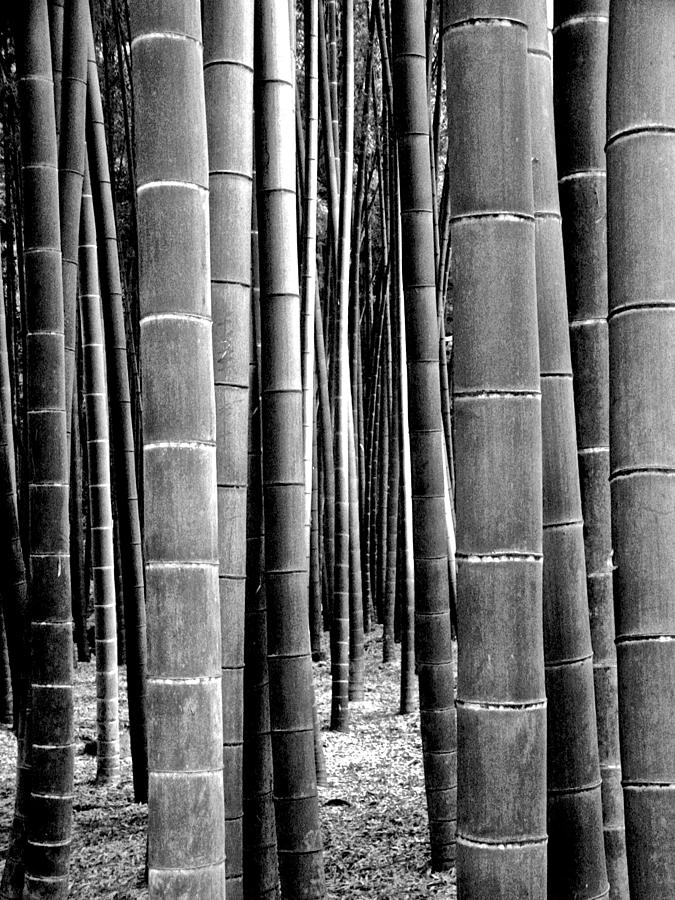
[640, 234]
[433, 644]
[95, 396]
[290, 667]
[124, 455]
[228, 82]
[51, 733]
[576, 856]
[186, 841]
[76, 28]
[580, 82]
[501, 706]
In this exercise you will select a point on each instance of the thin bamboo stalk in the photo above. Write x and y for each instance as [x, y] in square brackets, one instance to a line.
[95, 397]
[432, 600]
[579, 81]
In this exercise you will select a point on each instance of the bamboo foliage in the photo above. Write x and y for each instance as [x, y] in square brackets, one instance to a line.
[640, 234]
[580, 72]
[501, 707]
[432, 597]
[186, 843]
[290, 675]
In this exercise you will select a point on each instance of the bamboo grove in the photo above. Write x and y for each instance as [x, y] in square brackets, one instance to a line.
[324, 319]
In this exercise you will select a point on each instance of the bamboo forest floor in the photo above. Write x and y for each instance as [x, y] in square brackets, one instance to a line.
[373, 809]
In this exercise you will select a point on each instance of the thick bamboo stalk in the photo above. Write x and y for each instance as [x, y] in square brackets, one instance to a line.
[501, 705]
[576, 854]
[579, 82]
[56, 40]
[95, 397]
[432, 598]
[186, 841]
[228, 84]
[290, 666]
[124, 454]
[261, 871]
[640, 234]
[51, 735]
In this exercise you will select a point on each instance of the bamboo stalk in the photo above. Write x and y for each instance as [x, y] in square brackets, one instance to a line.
[501, 707]
[580, 75]
[640, 233]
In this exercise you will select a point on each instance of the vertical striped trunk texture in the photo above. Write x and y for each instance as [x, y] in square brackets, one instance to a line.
[309, 283]
[433, 644]
[186, 841]
[51, 736]
[124, 455]
[76, 28]
[501, 706]
[580, 82]
[228, 82]
[339, 653]
[290, 665]
[576, 855]
[95, 397]
[640, 239]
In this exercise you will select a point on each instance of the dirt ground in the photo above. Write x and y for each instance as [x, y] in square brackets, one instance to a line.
[373, 809]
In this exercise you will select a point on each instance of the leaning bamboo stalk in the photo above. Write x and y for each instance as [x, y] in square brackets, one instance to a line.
[51, 736]
[186, 841]
[95, 397]
[501, 707]
[580, 76]
[290, 667]
[124, 454]
[432, 598]
[76, 28]
[576, 855]
[640, 235]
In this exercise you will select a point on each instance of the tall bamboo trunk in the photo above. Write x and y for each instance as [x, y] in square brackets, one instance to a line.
[580, 75]
[342, 406]
[186, 841]
[228, 82]
[95, 396]
[432, 598]
[261, 870]
[76, 27]
[124, 455]
[501, 705]
[308, 269]
[290, 666]
[576, 856]
[640, 237]
[51, 730]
